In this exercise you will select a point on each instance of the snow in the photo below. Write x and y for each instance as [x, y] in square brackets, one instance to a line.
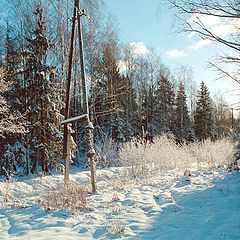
[205, 205]
[74, 119]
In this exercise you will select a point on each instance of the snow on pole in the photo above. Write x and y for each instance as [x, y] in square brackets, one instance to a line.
[90, 154]
[75, 119]
[68, 155]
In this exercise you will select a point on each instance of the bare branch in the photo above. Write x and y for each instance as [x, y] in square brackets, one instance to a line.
[224, 73]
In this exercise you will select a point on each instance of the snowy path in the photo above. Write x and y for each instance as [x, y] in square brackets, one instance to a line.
[162, 207]
[213, 213]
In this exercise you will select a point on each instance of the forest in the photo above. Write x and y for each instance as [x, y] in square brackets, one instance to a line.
[132, 97]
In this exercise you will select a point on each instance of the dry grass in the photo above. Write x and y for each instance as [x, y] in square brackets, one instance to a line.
[8, 193]
[117, 227]
[67, 196]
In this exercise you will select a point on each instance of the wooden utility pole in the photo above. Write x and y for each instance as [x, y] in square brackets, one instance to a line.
[89, 127]
[67, 106]
[66, 123]
[77, 13]
[232, 123]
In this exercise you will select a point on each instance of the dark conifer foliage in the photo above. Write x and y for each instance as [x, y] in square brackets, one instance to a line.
[165, 102]
[203, 119]
[43, 100]
[182, 121]
[34, 98]
[12, 126]
[12, 122]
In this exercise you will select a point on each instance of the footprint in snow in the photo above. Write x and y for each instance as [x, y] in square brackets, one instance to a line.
[100, 232]
[162, 200]
[83, 230]
[127, 202]
[183, 181]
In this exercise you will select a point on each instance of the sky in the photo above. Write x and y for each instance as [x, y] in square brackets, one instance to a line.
[148, 23]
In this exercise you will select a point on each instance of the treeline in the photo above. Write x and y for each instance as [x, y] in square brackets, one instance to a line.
[131, 95]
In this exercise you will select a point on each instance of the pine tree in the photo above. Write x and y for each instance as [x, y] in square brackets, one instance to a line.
[43, 100]
[148, 115]
[182, 121]
[165, 103]
[10, 127]
[203, 119]
[8, 121]
[12, 135]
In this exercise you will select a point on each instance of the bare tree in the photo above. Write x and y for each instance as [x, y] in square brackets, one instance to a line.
[184, 74]
[218, 21]
[222, 116]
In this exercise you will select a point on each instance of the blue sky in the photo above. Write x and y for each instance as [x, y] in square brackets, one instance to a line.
[151, 24]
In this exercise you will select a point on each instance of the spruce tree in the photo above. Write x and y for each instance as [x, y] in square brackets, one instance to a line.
[182, 121]
[10, 126]
[148, 113]
[203, 119]
[165, 103]
[13, 121]
[43, 100]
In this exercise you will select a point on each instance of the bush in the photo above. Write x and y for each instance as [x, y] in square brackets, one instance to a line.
[106, 153]
[165, 154]
[68, 196]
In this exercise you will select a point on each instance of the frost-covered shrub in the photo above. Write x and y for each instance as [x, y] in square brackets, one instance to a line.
[106, 153]
[212, 154]
[165, 154]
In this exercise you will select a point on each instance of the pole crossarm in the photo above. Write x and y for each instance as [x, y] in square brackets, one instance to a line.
[81, 118]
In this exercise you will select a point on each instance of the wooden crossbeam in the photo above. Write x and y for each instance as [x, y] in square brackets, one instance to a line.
[75, 119]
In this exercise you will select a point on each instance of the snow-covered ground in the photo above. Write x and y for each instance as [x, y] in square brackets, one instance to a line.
[168, 205]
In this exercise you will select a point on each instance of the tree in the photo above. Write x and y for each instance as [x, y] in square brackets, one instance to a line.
[203, 119]
[143, 72]
[10, 126]
[184, 74]
[165, 97]
[130, 109]
[43, 101]
[110, 88]
[182, 120]
[8, 121]
[222, 116]
[197, 15]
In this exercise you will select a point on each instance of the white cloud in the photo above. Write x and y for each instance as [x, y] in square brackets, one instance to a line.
[197, 45]
[139, 48]
[223, 30]
[221, 27]
[206, 20]
[175, 53]
[122, 66]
